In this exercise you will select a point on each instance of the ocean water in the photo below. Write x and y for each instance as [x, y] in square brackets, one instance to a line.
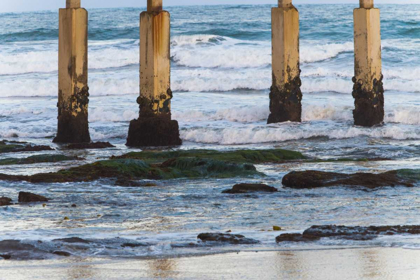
[221, 75]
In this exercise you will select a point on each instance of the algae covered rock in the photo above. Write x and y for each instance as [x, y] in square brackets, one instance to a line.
[16, 147]
[37, 159]
[132, 169]
[238, 156]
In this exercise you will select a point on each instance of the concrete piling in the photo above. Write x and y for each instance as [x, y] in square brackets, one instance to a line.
[285, 94]
[73, 95]
[154, 127]
[368, 90]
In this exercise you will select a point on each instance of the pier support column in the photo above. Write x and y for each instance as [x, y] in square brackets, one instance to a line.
[73, 94]
[368, 90]
[285, 95]
[154, 127]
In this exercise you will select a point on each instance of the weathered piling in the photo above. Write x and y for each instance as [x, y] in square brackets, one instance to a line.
[154, 127]
[368, 90]
[285, 94]
[73, 94]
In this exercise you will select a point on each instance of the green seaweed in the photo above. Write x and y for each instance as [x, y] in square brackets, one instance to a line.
[7, 147]
[15, 147]
[413, 174]
[239, 156]
[37, 159]
[132, 169]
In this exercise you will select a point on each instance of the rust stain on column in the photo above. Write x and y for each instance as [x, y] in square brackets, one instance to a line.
[154, 126]
[73, 95]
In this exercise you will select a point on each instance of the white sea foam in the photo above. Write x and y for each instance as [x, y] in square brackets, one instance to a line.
[14, 111]
[404, 115]
[220, 80]
[311, 51]
[244, 114]
[287, 132]
[101, 115]
[41, 60]
[212, 64]
[208, 51]
[39, 86]
[230, 53]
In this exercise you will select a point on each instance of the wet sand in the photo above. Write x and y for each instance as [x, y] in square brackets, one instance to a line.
[366, 263]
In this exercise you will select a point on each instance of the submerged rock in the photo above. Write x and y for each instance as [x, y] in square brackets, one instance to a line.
[94, 145]
[250, 188]
[5, 201]
[133, 245]
[62, 253]
[37, 159]
[27, 197]
[349, 233]
[226, 238]
[72, 240]
[130, 183]
[15, 249]
[6, 256]
[319, 179]
[17, 147]
[295, 237]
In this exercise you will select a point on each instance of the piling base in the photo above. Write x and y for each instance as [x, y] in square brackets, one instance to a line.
[286, 105]
[72, 129]
[369, 105]
[153, 131]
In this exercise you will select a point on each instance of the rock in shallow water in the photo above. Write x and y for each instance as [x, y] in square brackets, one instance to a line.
[319, 179]
[72, 240]
[94, 145]
[62, 253]
[6, 256]
[226, 238]
[349, 233]
[4, 201]
[15, 249]
[17, 147]
[250, 188]
[26, 197]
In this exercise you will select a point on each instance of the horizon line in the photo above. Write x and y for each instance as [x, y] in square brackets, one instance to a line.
[188, 5]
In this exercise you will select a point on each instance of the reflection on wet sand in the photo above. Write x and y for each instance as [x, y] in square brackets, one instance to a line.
[162, 268]
[343, 264]
[287, 262]
[79, 270]
[371, 264]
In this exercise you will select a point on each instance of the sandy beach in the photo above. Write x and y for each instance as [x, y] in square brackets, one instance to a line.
[363, 263]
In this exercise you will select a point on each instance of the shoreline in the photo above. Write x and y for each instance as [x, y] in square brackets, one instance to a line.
[353, 263]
